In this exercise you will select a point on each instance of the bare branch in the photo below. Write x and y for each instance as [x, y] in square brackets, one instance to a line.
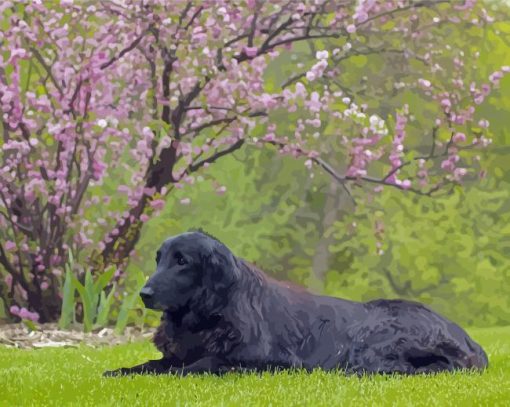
[47, 68]
[125, 50]
[411, 5]
[253, 29]
[237, 145]
[212, 123]
[192, 19]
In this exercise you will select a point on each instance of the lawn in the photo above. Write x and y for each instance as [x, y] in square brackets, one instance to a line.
[72, 376]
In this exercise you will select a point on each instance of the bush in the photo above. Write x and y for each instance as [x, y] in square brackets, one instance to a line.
[447, 252]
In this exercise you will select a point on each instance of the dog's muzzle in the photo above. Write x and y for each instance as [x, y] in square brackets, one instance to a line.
[147, 295]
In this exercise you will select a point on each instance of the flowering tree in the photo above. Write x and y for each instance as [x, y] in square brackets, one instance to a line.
[151, 92]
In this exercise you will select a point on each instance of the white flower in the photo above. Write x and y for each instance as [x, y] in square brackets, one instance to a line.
[322, 55]
[146, 131]
[310, 75]
[374, 120]
[102, 123]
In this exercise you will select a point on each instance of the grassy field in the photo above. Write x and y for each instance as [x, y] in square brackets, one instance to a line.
[72, 376]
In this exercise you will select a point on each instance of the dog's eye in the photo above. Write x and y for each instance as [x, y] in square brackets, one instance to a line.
[158, 256]
[181, 261]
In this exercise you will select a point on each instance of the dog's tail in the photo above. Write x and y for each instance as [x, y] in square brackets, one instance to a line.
[477, 359]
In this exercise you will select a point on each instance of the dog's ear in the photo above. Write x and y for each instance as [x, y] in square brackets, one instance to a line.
[221, 270]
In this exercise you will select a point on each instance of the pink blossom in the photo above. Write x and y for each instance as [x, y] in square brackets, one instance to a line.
[26, 314]
[483, 123]
[10, 246]
[424, 82]
[314, 104]
[322, 54]
[459, 173]
[459, 137]
[495, 77]
[14, 309]
[351, 28]
[17, 53]
[406, 184]
[158, 204]
[447, 165]
[446, 103]
[251, 51]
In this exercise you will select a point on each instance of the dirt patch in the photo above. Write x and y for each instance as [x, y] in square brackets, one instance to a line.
[49, 335]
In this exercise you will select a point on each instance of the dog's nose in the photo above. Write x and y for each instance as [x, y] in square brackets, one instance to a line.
[146, 293]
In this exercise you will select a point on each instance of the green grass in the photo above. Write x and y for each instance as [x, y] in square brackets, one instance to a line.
[72, 376]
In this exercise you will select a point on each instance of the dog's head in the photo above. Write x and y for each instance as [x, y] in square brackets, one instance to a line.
[192, 267]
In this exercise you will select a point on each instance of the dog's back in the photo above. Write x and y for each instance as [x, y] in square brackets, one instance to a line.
[294, 328]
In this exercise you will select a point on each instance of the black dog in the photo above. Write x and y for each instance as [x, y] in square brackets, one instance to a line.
[223, 314]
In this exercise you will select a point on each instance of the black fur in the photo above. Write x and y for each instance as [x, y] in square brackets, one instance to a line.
[221, 313]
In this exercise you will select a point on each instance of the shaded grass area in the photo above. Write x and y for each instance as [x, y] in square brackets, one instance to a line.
[72, 376]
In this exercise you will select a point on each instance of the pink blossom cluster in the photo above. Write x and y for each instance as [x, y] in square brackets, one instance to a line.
[23, 313]
[317, 70]
[397, 150]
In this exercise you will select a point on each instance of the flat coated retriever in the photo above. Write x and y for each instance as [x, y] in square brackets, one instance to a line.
[222, 314]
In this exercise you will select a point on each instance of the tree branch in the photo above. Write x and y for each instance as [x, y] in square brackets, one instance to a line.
[41, 60]
[195, 166]
[125, 50]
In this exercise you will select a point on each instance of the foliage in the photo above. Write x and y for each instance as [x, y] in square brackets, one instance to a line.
[95, 302]
[67, 314]
[259, 206]
[73, 376]
[124, 103]
[433, 251]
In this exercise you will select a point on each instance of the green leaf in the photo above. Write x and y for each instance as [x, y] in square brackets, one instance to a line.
[3, 314]
[105, 305]
[92, 297]
[87, 304]
[103, 280]
[68, 303]
[29, 324]
[122, 318]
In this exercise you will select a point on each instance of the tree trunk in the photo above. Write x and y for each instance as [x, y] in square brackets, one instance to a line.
[337, 204]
